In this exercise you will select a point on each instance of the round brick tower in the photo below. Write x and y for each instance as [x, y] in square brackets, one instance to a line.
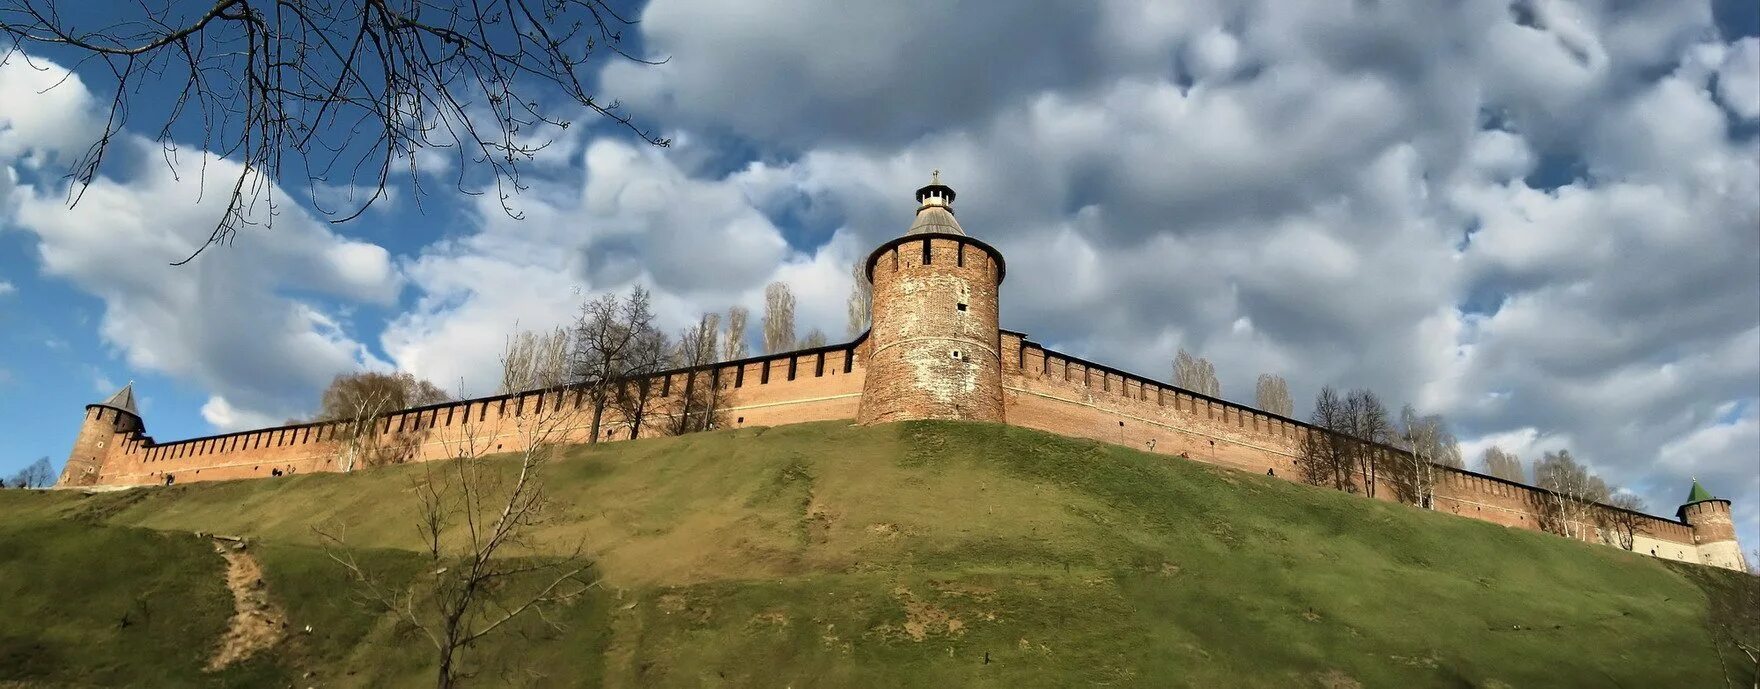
[103, 421]
[1713, 529]
[934, 340]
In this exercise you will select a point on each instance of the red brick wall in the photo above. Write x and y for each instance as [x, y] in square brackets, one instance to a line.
[813, 385]
[1065, 395]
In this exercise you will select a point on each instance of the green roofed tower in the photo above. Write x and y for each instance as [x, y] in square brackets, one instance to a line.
[1713, 529]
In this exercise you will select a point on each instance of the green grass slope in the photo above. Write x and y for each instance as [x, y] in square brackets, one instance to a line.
[917, 554]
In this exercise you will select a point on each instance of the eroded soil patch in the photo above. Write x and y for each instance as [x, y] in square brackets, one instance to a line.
[257, 623]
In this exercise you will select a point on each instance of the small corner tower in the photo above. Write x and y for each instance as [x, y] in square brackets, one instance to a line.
[935, 339]
[104, 420]
[1713, 529]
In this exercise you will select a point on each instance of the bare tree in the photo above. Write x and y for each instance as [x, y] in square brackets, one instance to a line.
[360, 440]
[476, 519]
[38, 474]
[1272, 395]
[1504, 465]
[698, 407]
[778, 318]
[1627, 520]
[1325, 457]
[349, 91]
[733, 344]
[349, 393]
[1195, 374]
[1428, 445]
[358, 404]
[534, 360]
[1369, 429]
[814, 338]
[609, 336]
[1567, 505]
[635, 395]
[1733, 615]
[861, 298]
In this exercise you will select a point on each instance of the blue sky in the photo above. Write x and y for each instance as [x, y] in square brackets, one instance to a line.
[1538, 219]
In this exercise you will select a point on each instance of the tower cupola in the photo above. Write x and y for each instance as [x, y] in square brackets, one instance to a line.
[935, 209]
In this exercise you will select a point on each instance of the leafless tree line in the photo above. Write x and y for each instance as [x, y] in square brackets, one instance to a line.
[38, 474]
[349, 91]
[1355, 447]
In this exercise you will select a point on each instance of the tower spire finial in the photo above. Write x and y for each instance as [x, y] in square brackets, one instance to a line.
[935, 176]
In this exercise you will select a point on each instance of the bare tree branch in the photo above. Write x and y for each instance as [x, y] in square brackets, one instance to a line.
[351, 91]
[477, 519]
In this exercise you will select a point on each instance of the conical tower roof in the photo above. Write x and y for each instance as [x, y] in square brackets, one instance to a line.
[123, 400]
[935, 212]
[1698, 493]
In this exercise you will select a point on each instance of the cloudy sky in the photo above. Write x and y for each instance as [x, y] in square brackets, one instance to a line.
[1541, 219]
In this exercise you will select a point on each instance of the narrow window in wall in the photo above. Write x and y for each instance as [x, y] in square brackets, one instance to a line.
[894, 253]
[793, 361]
[819, 368]
[483, 412]
[739, 376]
[927, 259]
[502, 409]
[519, 405]
[449, 415]
[666, 386]
[540, 407]
[764, 375]
[849, 359]
[960, 257]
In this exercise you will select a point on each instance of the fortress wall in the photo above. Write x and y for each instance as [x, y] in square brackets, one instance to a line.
[1061, 394]
[1053, 392]
[1042, 389]
[810, 385]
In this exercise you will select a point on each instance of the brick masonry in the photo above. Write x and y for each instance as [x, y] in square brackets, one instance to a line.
[935, 351]
[934, 331]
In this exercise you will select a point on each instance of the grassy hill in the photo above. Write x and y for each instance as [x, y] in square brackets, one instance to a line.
[825, 555]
